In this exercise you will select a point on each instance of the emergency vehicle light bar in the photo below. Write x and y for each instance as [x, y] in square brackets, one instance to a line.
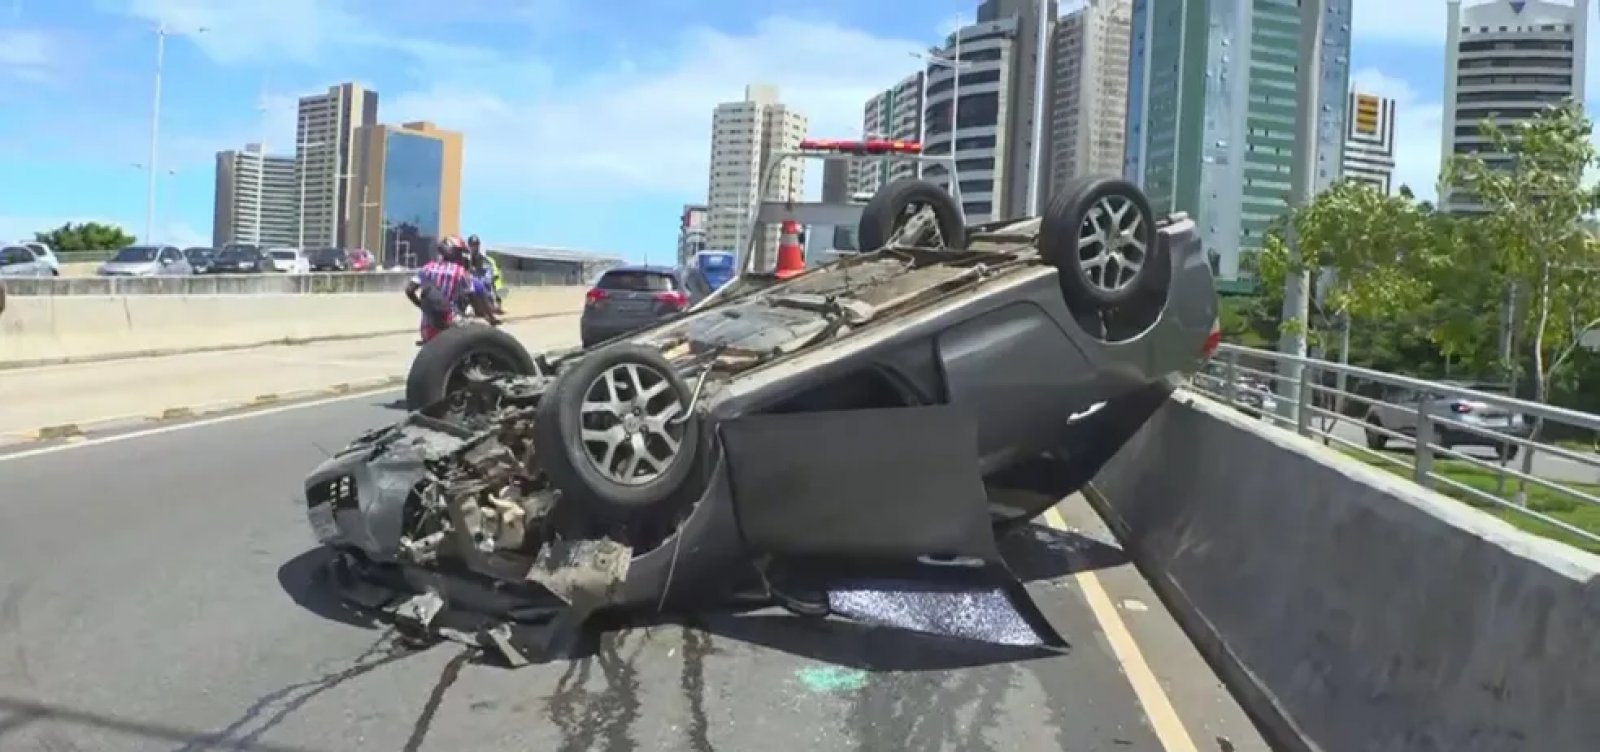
[870, 146]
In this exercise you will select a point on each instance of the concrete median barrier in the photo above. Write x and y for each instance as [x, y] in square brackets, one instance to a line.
[212, 284]
[67, 328]
[1350, 609]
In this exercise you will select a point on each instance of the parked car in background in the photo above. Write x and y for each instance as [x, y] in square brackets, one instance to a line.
[45, 254]
[146, 261]
[328, 260]
[200, 258]
[1400, 409]
[362, 260]
[630, 298]
[21, 261]
[241, 260]
[290, 260]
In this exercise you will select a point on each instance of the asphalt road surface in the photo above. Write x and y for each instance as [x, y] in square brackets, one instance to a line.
[155, 594]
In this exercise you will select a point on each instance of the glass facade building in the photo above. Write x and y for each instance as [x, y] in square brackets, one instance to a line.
[1212, 110]
[413, 177]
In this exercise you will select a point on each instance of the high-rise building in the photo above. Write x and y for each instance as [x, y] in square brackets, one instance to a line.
[1212, 113]
[993, 142]
[744, 137]
[1089, 91]
[324, 149]
[1369, 141]
[891, 114]
[407, 187]
[1505, 60]
[691, 232]
[254, 200]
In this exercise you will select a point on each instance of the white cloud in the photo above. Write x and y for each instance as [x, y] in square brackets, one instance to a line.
[25, 55]
[630, 129]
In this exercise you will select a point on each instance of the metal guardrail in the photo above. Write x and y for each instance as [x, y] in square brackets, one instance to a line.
[1320, 401]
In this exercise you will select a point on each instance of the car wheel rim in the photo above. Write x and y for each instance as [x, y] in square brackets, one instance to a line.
[934, 235]
[1110, 251]
[629, 429]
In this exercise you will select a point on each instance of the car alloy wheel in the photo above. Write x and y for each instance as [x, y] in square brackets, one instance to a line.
[629, 433]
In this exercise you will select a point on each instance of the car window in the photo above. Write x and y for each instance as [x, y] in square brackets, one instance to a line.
[637, 280]
[283, 255]
[170, 255]
[15, 255]
[135, 254]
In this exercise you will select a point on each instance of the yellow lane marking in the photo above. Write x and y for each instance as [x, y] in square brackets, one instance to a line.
[1164, 720]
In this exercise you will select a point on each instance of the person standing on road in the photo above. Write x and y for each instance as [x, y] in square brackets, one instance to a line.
[485, 268]
[444, 286]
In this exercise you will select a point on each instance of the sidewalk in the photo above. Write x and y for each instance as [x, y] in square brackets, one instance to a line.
[49, 397]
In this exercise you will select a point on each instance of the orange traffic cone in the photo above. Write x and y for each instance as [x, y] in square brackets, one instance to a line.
[791, 257]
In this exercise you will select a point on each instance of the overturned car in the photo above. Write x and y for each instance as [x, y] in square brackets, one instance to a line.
[782, 438]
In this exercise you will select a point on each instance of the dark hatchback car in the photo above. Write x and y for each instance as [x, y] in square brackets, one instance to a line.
[243, 259]
[328, 260]
[630, 298]
[785, 439]
[200, 258]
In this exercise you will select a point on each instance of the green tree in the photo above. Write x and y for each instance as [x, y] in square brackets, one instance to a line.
[85, 236]
[1535, 240]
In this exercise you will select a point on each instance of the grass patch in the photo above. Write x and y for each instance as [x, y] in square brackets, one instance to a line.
[1580, 514]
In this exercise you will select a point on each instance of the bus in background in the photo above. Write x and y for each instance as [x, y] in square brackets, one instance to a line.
[716, 265]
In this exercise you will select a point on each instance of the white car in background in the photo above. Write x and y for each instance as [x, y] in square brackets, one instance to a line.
[46, 254]
[290, 260]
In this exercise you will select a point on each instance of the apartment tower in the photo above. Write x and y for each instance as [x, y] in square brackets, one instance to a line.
[1506, 60]
[993, 142]
[324, 154]
[407, 190]
[894, 113]
[1369, 141]
[1212, 113]
[744, 137]
[1089, 91]
[254, 200]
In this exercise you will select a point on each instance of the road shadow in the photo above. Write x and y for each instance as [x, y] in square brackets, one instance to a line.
[1038, 553]
[307, 580]
[395, 404]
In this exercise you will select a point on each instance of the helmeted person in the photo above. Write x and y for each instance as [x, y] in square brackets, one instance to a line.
[444, 288]
[486, 268]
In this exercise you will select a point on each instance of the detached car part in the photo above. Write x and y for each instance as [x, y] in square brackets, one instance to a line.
[790, 436]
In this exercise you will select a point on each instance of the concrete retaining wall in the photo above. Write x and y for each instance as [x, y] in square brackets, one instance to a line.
[84, 327]
[213, 284]
[1349, 608]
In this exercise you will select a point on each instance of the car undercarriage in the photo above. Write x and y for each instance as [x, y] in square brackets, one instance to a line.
[782, 443]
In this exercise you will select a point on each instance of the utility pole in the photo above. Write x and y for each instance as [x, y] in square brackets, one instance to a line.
[1302, 186]
[1036, 161]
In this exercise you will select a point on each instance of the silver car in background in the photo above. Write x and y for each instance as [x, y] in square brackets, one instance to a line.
[1400, 409]
[146, 261]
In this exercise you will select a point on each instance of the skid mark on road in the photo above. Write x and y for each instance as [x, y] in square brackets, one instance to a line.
[384, 651]
[447, 679]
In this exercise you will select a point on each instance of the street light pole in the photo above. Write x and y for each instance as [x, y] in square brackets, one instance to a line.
[1302, 186]
[155, 137]
[1041, 42]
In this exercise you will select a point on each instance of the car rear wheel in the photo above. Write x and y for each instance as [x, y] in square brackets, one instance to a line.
[449, 363]
[895, 204]
[615, 434]
[1100, 234]
[1375, 441]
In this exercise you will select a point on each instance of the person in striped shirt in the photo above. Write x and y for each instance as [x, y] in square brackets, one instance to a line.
[445, 285]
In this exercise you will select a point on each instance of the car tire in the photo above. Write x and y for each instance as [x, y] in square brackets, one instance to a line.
[1376, 441]
[2, 296]
[1506, 451]
[572, 464]
[428, 382]
[885, 212]
[1061, 241]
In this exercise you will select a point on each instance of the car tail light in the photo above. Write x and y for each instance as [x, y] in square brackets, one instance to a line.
[674, 299]
[594, 297]
[1461, 408]
[1213, 341]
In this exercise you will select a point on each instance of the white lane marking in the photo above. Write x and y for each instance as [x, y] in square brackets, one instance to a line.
[1164, 720]
[195, 424]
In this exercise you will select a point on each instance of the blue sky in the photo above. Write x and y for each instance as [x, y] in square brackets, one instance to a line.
[586, 122]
